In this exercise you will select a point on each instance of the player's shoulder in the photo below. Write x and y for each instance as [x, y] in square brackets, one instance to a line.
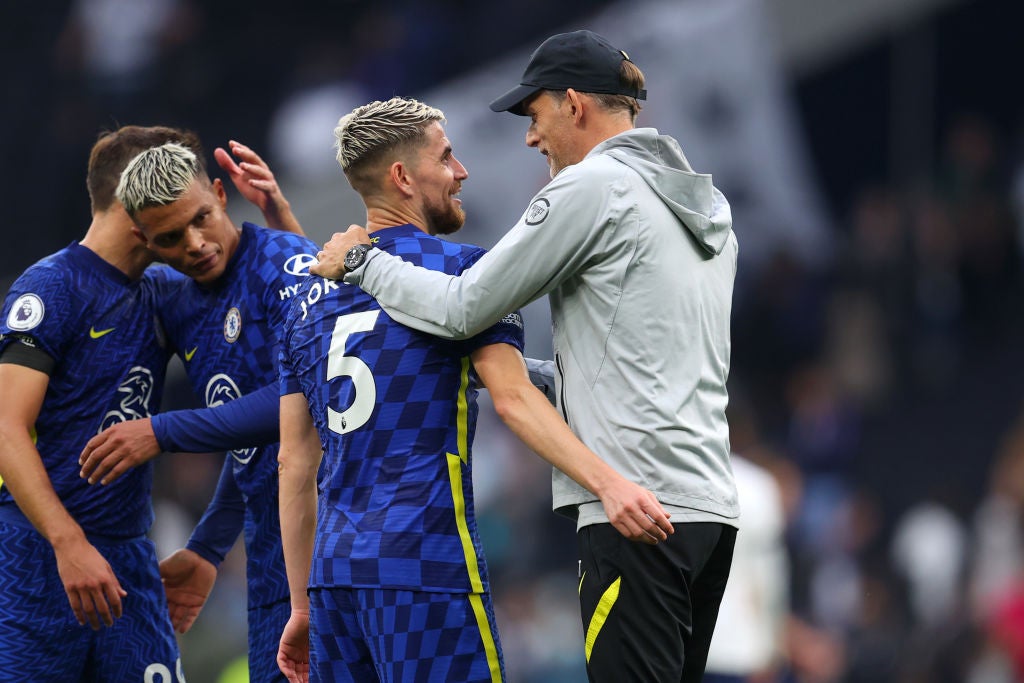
[276, 250]
[57, 267]
[50, 286]
[46, 296]
[284, 239]
[436, 253]
[161, 274]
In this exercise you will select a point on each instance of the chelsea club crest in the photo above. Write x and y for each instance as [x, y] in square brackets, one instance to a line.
[232, 325]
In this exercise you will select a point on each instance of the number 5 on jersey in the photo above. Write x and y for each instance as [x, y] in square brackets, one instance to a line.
[339, 365]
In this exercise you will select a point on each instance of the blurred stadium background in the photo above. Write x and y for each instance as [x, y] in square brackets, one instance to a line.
[873, 152]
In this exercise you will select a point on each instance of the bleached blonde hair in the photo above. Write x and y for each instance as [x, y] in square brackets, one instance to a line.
[367, 133]
[157, 177]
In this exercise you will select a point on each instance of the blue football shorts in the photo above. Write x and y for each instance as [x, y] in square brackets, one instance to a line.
[401, 636]
[266, 624]
[40, 639]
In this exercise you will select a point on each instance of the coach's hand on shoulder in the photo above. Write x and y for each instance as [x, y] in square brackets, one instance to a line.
[117, 449]
[332, 258]
[91, 586]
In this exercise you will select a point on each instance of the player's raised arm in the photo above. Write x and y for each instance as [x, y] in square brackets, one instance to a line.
[256, 182]
[93, 590]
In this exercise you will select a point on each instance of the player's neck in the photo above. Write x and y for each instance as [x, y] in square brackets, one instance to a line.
[381, 217]
[110, 237]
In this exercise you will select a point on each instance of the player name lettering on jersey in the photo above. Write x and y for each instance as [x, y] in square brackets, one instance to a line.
[316, 291]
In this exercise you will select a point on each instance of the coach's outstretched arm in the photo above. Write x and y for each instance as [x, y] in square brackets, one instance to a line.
[550, 243]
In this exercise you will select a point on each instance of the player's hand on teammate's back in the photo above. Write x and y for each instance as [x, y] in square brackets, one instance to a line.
[293, 653]
[188, 580]
[332, 258]
[91, 586]
[636, 513]
[117, 449]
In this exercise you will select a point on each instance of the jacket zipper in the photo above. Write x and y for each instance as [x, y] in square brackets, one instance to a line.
[561, 398]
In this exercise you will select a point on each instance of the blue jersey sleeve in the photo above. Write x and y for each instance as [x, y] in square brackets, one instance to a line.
[288, 381]
[39, 313]
[223, 520]
[248, 421]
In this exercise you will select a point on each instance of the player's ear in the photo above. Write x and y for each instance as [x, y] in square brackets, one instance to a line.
[140, 235]
[399, 176]
[218, 189]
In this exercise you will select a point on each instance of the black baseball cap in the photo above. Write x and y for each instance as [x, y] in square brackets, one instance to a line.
[581, 60]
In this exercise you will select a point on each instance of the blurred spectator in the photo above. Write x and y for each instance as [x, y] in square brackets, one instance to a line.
[750, 633]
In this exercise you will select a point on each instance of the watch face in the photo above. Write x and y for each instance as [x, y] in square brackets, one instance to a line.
[354, 256]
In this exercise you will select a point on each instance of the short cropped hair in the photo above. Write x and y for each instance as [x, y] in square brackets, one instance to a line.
[367, 134]
[115, 148]
[632, 78]
[157, 177]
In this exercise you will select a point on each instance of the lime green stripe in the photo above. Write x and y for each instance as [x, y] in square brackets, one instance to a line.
[472, 563]
[462, 419]
[493, 663]
[579, 588]
[604, 607]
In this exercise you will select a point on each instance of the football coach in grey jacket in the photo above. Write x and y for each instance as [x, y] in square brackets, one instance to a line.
[637, 253]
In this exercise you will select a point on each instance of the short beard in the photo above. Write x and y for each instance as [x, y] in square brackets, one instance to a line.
[445, 222]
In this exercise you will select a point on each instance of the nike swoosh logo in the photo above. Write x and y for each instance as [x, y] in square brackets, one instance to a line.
[189, 354]
[96, 334]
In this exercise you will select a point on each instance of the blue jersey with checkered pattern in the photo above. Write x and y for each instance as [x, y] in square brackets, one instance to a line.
[227, 336]
[396, 411]
[101, 330]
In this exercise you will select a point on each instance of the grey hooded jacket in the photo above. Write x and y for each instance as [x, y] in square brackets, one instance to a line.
[637, 253]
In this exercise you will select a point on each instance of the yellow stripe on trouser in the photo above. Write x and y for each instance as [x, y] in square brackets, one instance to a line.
[604, 608]
[455, 462]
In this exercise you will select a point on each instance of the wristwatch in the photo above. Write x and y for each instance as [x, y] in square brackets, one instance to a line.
[355, 256]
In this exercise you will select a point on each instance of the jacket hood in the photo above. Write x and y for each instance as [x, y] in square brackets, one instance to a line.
[691, 196]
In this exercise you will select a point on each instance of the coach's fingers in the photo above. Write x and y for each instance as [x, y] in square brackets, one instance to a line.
[658, 524]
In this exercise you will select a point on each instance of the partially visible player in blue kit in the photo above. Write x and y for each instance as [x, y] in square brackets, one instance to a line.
[80, 350]
[225, 322]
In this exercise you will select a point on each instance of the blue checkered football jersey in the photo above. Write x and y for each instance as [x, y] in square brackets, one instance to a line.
[227, 337]
[396, 411]
[102, 332]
